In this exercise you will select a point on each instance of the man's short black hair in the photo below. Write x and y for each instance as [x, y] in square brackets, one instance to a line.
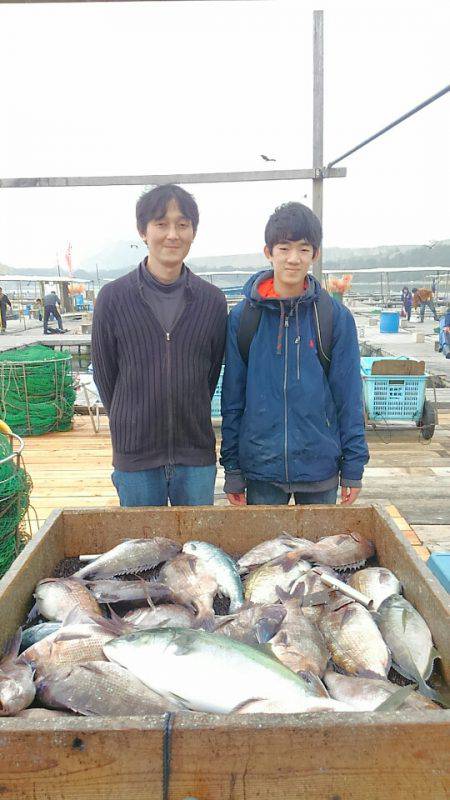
[292, 222]
[153, 205]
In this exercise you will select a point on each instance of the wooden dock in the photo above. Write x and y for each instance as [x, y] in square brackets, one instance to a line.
[73, 469]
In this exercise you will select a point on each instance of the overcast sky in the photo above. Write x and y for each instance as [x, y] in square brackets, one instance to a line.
[141, 88]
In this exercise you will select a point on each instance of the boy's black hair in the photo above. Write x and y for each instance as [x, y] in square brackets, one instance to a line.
[291, 222]
[153, 205]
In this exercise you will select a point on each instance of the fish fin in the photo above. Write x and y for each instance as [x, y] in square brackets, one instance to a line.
[181, 644]
[12, 646]
[282, 594]
[286, 562]
[178, 700]
[77, 616]
[32, 614]
[316, 599]
[240, 708]
[396, 700]
[266, 628]
[370, 673]
[221, 621]
[314, 681]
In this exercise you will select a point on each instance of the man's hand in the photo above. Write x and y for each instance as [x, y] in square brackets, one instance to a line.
[237, 499]
[349, 495]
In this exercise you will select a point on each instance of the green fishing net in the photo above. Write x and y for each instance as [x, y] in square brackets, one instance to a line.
[15, 488]
[36, 390]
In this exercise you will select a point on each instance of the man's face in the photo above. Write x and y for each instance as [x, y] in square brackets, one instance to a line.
[169, 239]
[291, 261]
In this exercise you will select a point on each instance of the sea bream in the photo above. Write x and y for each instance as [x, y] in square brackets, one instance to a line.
[79, 639]
[16, 681]
[261, 585]
[192, 585]
[56, 597]
[354, 641]
[299, 644]
[270, 549]
[133, 555]
[408, 637]
[118, 591]
[167, 615]
[222, 567]
[376, 583]
[366, 694]
[99, 688]
[343, 551]
[207, 672]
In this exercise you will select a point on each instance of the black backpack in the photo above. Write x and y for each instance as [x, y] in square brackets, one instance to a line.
[323, 321]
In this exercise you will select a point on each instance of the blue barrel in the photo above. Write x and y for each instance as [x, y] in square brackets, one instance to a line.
[389, 321]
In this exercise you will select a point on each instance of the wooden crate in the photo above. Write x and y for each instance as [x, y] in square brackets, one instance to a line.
[260, 757]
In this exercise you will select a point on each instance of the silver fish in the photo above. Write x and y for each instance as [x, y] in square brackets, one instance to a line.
[56, 597]
[366, 694]
[354, 640]
[99, 688]
[343, 551]
[207, 672]
[408, 637]
[299, 644]
[377, 583]
[37, 632]
[118, 591]
[270, 549]
[253, 624]
[168, 615]
[191, 585]
[261, 585]
[79, 639]
[133, 555]
[16, 681]
[293, 707]
[221, 567]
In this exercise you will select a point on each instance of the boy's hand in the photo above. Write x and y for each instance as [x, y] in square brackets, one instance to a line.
[349, 495]
[237, 499]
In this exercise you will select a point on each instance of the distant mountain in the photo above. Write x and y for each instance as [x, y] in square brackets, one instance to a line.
[121, 257]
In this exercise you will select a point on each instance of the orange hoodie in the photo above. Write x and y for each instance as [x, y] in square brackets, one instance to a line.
[267, 290]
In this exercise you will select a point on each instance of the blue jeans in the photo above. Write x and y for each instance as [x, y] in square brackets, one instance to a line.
[183, 486]
[262, 493]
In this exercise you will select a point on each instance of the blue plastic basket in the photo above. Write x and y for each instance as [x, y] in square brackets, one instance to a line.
[215, 403]
[392, 396]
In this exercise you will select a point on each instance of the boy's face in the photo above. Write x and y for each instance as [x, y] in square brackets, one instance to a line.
[169, 239]
[291, 261]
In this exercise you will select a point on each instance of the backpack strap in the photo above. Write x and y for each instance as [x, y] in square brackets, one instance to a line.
[248, 325]
[323, 319]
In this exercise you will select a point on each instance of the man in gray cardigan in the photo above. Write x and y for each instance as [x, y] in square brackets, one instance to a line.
[158, 339]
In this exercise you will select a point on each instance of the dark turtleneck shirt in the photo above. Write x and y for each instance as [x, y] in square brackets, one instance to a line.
[166, 299]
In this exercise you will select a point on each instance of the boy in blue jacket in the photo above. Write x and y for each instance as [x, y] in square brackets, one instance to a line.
[290, 426]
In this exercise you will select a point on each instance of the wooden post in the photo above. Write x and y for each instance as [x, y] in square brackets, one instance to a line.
[318, 127]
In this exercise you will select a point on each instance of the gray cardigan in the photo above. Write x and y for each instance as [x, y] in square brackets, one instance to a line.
[157, 386]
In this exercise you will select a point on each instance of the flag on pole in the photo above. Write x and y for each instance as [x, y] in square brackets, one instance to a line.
[69, 259]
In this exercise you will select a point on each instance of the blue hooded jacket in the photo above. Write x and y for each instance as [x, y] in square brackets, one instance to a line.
[284, 421]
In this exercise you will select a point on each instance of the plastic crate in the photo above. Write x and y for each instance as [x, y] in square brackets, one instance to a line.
[215, 402]
[392, 396]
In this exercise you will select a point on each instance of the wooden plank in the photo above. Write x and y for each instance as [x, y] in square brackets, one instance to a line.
[353, 757]
[158, 180]
[37, 560]
[398, 367]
